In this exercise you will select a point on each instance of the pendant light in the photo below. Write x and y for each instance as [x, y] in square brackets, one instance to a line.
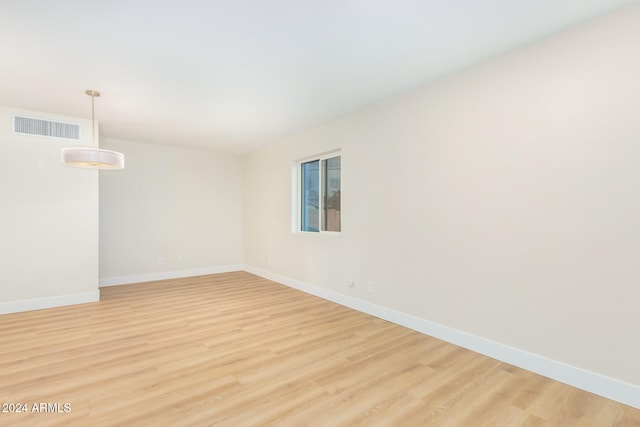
[92, 157]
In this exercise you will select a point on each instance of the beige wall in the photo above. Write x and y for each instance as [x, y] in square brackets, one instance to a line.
[502, 201]
[183, 205]
[48, 220]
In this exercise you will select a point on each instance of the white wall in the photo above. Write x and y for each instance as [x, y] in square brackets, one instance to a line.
[48, 220]
[503, 201]
[170, 202]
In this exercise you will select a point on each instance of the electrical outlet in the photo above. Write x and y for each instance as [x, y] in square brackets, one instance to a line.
[369, 286]
[351, 283]
[180, 258]
[161, 260]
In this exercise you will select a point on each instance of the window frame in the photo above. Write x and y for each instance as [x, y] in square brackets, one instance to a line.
[296, 190]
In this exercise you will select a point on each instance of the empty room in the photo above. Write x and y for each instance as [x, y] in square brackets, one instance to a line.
[324, 213]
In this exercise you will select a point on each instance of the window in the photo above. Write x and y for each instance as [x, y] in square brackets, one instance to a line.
[318, 190]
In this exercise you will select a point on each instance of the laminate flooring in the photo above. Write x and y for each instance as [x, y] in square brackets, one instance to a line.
[235, 349]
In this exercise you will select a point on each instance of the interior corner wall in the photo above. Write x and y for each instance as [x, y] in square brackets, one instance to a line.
[502, 201]
[171, 212]
[48, 220]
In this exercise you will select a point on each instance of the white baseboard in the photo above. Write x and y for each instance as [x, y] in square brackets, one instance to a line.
[48, 302]
[176, 274]
[601, 385]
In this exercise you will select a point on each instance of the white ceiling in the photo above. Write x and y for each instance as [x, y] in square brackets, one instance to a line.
[240, 74]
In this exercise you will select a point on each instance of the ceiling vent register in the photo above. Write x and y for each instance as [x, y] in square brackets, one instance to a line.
[31, 126]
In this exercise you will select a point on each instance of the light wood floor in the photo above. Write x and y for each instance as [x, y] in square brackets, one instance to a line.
[238, 350]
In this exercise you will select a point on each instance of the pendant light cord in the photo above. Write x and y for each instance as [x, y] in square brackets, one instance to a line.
[93, 121]
[93, 93]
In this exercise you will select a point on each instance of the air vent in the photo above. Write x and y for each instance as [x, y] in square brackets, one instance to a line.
[42, 127]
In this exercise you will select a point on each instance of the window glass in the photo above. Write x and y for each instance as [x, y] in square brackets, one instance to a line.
[317, 205]
[331, 194]
[310, 184]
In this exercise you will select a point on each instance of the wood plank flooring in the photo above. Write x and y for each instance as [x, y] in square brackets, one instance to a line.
[238, 350]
